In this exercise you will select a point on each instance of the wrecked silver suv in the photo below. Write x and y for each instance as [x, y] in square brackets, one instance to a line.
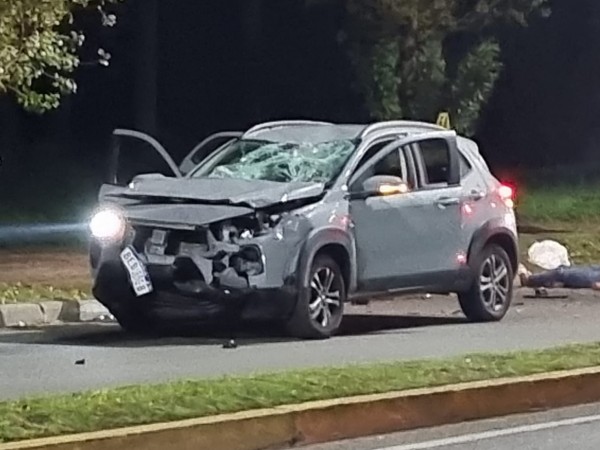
[291, 220]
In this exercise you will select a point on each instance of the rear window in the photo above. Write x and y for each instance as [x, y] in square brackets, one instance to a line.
[465, 166]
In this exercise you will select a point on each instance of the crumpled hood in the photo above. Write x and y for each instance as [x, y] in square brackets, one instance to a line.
[184, 216]
[255, 193]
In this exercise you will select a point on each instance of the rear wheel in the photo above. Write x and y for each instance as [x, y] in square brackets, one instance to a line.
[490, 296]
[319, 310]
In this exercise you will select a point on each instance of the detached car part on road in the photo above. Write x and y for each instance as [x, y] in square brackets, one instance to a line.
[291, 220]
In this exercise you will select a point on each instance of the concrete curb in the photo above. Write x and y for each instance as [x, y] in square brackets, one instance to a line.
[346, 418]
[22, 315]
[34, 314]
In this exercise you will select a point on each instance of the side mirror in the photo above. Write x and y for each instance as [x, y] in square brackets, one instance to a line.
[380, 186]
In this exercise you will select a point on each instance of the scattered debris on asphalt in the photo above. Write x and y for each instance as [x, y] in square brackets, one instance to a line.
[231, 344]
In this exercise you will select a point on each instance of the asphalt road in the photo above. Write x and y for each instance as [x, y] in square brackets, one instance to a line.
[576, 428]
[34, 362]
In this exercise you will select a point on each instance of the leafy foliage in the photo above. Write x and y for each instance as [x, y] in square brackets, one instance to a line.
[403, 66]
[474, 83]
[38, 49]
[376, 65]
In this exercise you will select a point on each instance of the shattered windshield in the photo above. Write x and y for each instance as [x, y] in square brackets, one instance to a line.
[280, 162]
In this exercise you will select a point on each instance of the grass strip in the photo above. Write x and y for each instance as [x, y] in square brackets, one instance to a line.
[570, 212]
[26, 293]
[137, 405]
[583, 243]
[562, 203]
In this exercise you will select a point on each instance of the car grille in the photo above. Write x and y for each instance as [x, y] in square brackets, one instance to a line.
[166, 242]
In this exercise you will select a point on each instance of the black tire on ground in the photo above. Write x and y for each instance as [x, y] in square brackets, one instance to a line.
[490, 296]
[319, 310]
[132, 320]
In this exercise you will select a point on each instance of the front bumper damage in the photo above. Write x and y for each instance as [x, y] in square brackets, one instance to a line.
[200, 275]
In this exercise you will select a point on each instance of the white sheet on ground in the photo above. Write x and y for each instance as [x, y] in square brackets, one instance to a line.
[549, 255]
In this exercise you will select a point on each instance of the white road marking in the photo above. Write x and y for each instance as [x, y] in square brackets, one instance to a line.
[468, 438]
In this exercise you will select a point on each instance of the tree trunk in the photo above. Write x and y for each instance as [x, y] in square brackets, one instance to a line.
[146, 77]
[9, 138]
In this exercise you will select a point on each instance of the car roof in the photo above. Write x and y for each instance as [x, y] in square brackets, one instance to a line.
[306, 133]
[318, 132]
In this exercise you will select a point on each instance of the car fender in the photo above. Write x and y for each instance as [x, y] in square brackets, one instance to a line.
[494, 228]
[316, 241]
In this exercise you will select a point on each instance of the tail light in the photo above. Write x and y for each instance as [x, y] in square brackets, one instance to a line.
[507, 194]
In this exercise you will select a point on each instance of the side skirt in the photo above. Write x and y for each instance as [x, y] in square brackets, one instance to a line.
[433, 283]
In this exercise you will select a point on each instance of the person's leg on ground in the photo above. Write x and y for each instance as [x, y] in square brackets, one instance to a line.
[581, 277]
[548, 279]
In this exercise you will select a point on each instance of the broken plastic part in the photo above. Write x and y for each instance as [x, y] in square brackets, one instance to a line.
[229, 278]
[286, 162]
[246, 234]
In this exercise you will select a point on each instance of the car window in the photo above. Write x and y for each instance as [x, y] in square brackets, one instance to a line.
[465, 166]
[392, 164]
[372, 151]
[435, 161]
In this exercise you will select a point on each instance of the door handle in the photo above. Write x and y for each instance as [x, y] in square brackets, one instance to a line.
[476, 195]
[447, 201]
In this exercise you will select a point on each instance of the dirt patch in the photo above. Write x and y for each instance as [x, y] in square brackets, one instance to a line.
[57, 267]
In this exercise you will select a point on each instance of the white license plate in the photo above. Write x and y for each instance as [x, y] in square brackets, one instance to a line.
[138, 275]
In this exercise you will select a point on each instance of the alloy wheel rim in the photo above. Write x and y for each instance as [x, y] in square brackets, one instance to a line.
[325, 299]
[494, 283]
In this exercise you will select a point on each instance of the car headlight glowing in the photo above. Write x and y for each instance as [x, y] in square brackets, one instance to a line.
[108, 225]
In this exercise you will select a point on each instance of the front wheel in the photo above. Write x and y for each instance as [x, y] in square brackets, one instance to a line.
[133, 320]
[319, 310]
[490, 296]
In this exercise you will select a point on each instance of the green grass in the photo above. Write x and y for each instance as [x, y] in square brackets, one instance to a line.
[52, 416]
[567, 214]
[583, 245]
[560, 204]
[22, 293]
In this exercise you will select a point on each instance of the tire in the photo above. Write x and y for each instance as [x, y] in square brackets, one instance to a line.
[133, 321]
[319, 309]
[490, 296]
